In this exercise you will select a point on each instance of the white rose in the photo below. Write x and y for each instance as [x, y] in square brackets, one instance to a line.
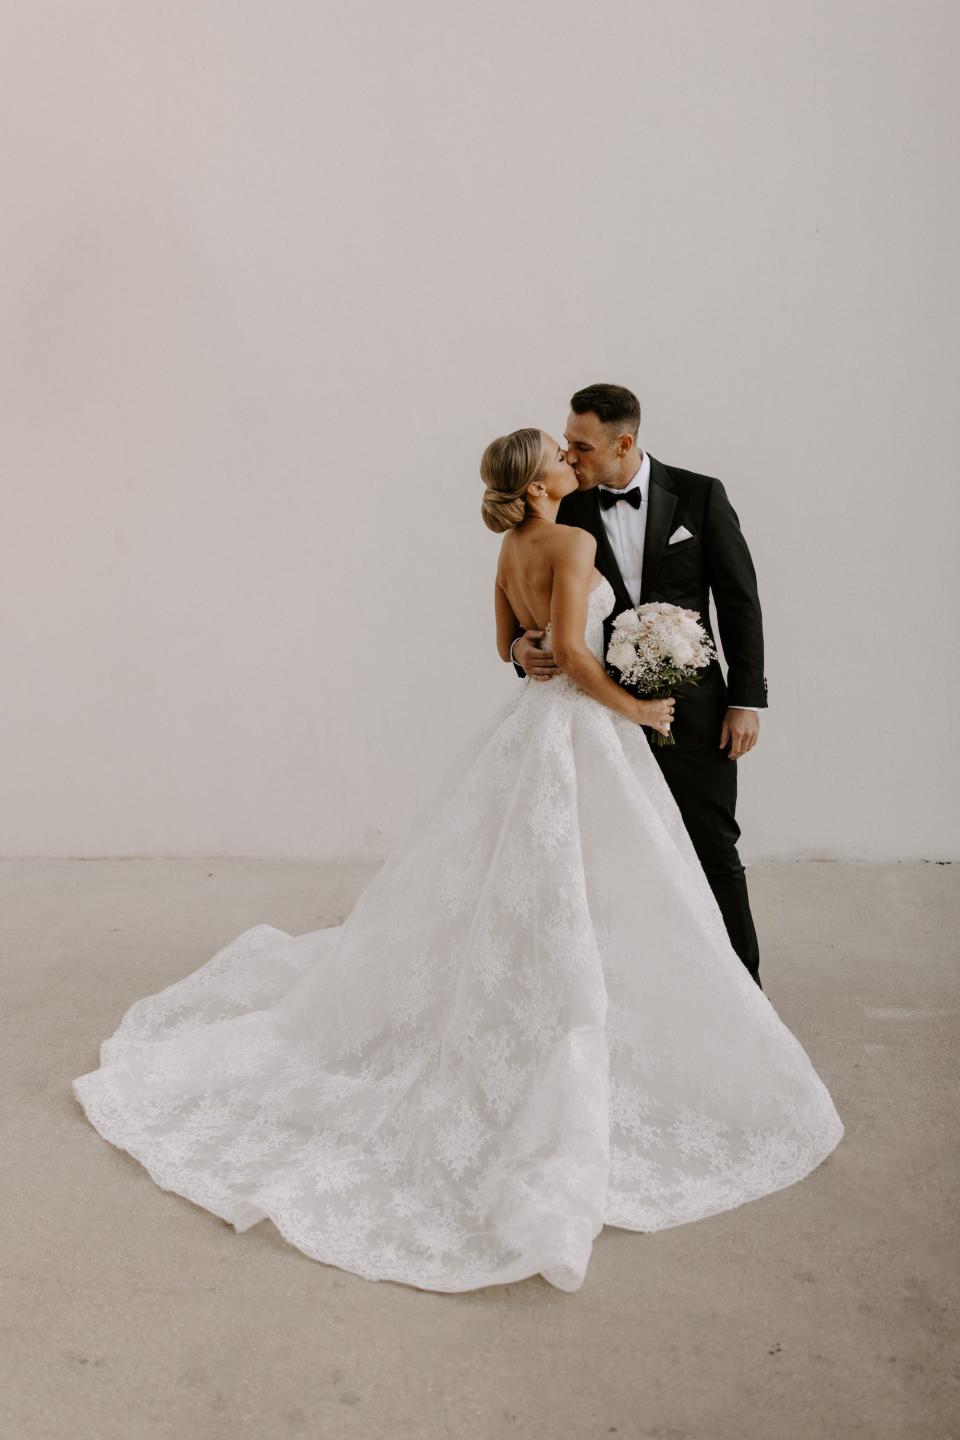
[622, 655]
[628, 623]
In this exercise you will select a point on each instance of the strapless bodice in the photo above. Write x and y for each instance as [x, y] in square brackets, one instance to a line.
[599, 604]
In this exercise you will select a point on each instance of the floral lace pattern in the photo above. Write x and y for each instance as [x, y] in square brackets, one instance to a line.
[532, 1024]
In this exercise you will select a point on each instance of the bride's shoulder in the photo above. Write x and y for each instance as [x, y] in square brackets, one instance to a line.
[571, 540]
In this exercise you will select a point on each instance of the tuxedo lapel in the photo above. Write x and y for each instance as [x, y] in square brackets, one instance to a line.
[661, 503]
[606, 560]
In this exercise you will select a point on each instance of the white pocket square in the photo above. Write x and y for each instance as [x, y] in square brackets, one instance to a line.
[682, 534]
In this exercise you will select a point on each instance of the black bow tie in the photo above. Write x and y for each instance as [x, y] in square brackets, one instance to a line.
[608, 498]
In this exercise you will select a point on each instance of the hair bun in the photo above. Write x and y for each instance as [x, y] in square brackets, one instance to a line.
[507, 467]
[502, 512]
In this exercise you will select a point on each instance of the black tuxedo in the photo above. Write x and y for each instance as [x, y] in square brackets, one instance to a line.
[702, 779]
[715, 558]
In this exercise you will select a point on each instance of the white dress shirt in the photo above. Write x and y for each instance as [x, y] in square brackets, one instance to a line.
[626, 528]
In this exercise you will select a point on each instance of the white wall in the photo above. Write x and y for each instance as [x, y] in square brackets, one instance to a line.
[271, 277]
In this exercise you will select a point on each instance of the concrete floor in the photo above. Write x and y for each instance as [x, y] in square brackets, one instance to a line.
[825, 1310]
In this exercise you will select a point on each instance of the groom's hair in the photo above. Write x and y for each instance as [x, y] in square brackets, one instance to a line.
[613, 404]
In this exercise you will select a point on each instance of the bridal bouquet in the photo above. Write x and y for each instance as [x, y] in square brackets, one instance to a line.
[655, 648]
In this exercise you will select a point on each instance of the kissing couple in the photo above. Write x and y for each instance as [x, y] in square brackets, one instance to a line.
[543, 1014]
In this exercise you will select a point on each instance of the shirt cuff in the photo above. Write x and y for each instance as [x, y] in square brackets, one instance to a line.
[758, 708]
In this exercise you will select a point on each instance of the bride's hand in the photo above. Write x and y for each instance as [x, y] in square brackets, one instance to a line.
[658, 714]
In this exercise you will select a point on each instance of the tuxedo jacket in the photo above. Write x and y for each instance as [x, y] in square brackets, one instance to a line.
[715, 558]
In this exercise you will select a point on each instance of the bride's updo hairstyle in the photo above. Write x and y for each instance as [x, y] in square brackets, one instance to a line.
[508, 465]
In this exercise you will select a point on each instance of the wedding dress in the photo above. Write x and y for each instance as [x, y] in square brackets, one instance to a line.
[531, 1025]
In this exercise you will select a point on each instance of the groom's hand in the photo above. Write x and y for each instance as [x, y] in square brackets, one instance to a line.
[536, 663]
[740, 728]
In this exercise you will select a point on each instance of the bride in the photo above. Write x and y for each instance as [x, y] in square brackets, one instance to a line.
[531, 1025]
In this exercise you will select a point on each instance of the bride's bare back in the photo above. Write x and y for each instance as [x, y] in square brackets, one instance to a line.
[528, 564]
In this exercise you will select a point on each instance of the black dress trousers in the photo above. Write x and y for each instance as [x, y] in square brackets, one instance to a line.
[704, 785]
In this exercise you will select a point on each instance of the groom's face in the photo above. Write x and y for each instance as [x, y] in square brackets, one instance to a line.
[594, 451]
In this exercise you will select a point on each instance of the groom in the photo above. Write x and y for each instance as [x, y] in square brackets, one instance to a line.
[669, 534]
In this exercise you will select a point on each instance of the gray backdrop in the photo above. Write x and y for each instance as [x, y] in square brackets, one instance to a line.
[273, 275]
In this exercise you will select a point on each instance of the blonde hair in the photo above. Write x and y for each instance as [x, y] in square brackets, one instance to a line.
[508, 465]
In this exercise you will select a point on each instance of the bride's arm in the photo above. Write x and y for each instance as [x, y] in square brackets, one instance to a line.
[572, 572]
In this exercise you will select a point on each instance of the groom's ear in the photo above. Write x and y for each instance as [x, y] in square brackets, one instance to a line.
[624, 443]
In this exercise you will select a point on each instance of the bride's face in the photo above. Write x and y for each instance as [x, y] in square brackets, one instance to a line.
[556, 474]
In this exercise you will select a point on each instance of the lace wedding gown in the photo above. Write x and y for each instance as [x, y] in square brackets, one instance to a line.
[532, 1024]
